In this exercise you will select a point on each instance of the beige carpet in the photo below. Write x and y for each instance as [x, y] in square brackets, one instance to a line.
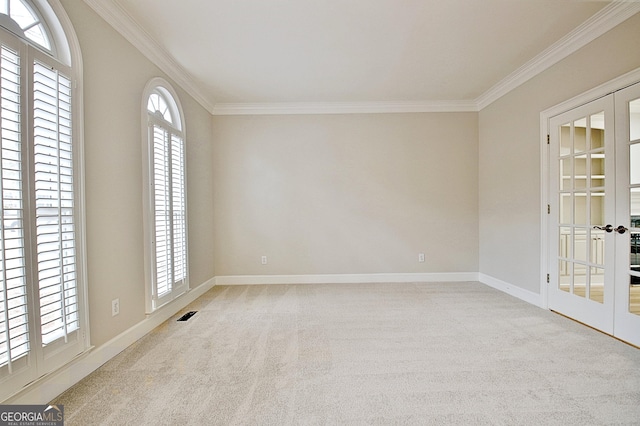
[445, 353]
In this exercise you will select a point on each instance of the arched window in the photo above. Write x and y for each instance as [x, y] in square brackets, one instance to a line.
[42, 311]
[165, 188]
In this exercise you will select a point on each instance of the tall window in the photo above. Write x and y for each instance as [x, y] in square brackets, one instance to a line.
[42, 316]
[167, 206]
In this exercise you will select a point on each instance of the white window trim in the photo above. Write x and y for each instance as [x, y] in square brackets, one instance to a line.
[67, 52]
[147, 198]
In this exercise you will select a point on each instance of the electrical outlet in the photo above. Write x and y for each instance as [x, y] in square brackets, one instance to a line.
[264, 260]
[115, 307]
[420, 257]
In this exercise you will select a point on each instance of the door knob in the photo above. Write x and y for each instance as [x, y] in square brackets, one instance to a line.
[608, 228]
[620, 229]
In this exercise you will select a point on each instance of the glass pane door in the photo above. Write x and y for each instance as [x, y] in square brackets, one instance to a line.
[627, 314]
[581, 209]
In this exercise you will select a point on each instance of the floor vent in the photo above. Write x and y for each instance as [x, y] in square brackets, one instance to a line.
[186, 316]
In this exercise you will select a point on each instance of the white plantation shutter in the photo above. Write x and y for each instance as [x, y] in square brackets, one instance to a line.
[179, 209]
[42, 303]
[14, 324]
[168, 199]
[55, 225]
[162, 207]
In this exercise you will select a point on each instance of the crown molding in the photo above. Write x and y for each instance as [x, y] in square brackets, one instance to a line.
[606, 19]
[343, 107]
[123, 23]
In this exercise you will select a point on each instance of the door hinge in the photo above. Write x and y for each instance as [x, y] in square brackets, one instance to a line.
[548, 139]
[548, 208]
[548, 278]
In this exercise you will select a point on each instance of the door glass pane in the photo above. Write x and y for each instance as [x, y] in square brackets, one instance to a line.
[564, 272]
[566, 171]
[580, 177]
[565, 208]
[597, 130]
[634, 294]
[565, 139]
[634, 207]
[634, 119]
[596, 201]
[565, 242]
[580, 246]
[579, 280]
[634, 259]
[597, 170]
[596, 289]
[597, 247]
[634, 164]
[580, 135]
[580, 208]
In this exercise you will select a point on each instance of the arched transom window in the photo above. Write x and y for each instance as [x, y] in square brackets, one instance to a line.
[19, 17]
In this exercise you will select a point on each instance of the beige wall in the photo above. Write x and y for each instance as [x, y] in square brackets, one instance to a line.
[115, 74]
[322, 194]
[509, 152]
[340, 194]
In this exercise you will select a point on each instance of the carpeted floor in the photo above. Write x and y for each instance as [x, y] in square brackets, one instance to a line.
[420, 353]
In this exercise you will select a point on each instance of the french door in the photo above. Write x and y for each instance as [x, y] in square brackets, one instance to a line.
[627, 244]
[594, 230]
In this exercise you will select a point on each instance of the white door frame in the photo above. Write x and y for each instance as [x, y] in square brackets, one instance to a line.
[609, 87]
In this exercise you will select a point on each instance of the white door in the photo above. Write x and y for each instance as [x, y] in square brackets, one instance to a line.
[582, 204]
[594, 230]
[627, 287]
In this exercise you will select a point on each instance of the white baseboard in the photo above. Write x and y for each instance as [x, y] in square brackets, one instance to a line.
[345, 278]
[510, 289]
[46, 388]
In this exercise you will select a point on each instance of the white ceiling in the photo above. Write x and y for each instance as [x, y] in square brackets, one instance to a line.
[346, 51]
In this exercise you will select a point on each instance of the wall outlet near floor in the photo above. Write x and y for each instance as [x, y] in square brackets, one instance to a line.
[420, 257]
[115, 307]
[263, 260]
